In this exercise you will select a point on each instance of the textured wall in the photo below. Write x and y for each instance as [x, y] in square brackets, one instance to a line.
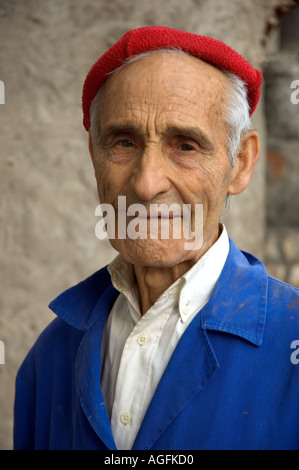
[282, 175]
[47, 193]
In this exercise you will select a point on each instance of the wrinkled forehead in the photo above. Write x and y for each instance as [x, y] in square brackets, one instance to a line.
[176, 83]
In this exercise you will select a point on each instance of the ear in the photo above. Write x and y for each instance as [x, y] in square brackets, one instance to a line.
[245, 162]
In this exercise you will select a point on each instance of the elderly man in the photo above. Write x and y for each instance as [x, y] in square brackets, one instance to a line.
[169, 347]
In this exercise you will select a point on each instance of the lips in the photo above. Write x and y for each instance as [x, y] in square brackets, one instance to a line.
[153, 214]
[161, 216]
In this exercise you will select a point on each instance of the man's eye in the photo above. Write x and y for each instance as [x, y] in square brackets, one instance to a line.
[125, 143]
[186, 147]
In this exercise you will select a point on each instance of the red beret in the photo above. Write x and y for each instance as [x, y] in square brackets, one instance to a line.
[151, 38]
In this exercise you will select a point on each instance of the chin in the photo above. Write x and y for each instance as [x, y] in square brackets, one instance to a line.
[155, 253]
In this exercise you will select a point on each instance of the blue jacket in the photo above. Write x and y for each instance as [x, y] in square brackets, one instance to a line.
[232, 382]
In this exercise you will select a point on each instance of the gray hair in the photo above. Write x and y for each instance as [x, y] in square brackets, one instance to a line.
[236, 112]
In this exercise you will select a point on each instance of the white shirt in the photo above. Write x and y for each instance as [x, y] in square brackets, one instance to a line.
[136, 349]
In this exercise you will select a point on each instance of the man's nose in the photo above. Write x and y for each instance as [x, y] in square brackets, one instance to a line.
[150, 177]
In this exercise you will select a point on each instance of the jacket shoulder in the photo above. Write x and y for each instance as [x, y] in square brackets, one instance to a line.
[53, 347]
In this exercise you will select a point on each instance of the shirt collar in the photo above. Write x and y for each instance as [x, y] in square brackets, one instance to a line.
[191, 292]
[123, 279]
[201, 279]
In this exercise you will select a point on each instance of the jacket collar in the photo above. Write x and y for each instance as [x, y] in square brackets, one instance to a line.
[81, 305]
[237, 304]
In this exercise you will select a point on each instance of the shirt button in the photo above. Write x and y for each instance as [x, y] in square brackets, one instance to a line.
[125, 417]
[186, 309]
[142, 339]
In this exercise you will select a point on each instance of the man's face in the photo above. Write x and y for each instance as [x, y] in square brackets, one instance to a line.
[163, 141]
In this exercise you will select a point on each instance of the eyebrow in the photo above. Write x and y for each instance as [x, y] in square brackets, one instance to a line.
[116, 129]
[194, 133]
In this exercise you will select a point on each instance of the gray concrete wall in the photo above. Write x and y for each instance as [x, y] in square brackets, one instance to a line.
[282, 153]
[47, 187]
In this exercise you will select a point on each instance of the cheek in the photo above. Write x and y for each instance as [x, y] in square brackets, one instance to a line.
[205, 183]
[111, 179]
[104, 179]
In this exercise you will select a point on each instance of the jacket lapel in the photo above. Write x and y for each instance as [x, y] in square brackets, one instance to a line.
[88, 370]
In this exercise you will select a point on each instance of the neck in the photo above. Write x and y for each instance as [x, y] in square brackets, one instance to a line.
[152, 281]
